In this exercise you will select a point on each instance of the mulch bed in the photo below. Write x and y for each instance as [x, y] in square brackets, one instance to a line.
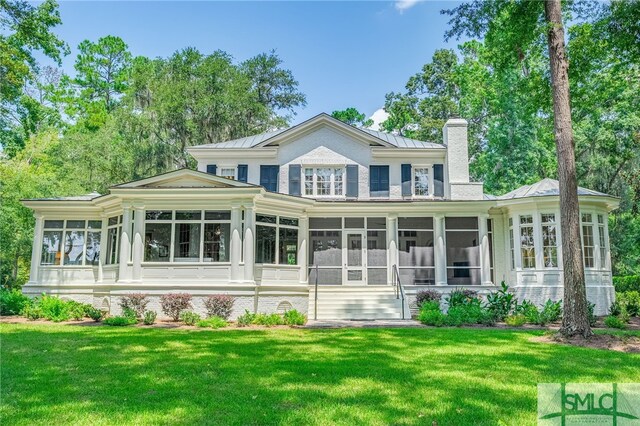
[597, 341]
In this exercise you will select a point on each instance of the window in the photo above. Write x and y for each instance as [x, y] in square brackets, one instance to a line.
[527, 248]
[187, 236]
[114, 229]
[228, 172]
[602, 241]
[71, 242]
[587, 240]
[379, 181]
[490, 237]
[276, 235]
[549, 243]
[416, 251]
[511, 246]
[420, 181]
[324, 181]
[463, 251]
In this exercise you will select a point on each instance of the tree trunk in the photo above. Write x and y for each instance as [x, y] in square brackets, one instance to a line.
[575, 320]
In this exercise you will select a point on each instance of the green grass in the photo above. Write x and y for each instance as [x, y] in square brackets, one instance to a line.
[106, 375]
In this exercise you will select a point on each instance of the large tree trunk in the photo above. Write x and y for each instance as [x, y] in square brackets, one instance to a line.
[575, 320]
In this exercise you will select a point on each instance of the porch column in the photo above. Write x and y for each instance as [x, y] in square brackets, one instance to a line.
[303, 255]
[440, 252]
[125, 245]
[249, 242]
[138, 243]
[485, 257]
[36, 249]
[102, 259]
[235, 252]
[392, 245]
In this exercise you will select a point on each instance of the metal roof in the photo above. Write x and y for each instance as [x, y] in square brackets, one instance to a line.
[544, 188]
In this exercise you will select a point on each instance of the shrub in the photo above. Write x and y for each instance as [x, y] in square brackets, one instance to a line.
[212, 322]
[627, 283]
[430, 314]
[219, 305]
[293, 317]
[12, 302]
[246, 319]
[471, 313]
[614, 322]
[119, 321]
[32, 312]
[501, 302]
[515, 320]
[462, 297]
[550, 312]
[268, 320]
[130, 313]
[615, 309]
[94, 313]
[590, 312]
[529, 310]
[174, 303]
[53, 308]
[149, 317]
[137, 302]
[630, 302]
[78, 311]
[189, 317]
[424, 296]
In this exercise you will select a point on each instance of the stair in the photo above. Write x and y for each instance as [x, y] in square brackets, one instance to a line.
[356, 302]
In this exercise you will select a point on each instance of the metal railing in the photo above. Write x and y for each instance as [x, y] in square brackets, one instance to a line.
[395, 281]
[315, 293]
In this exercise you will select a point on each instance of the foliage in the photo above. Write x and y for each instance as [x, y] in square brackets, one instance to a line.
[424, 296]
[137, 302]
[615, 309]
[550, 312]
[352, 117]
[268, 320]
[627, 283]
[468, 313]
[189, 317]
[614, 322]
[592, 317]
[219, 305]
[246, 319]
[629, 302]
[500, 303]
[53, 308]
[12, 301]
[95, 313]
[460, 297]
[119, 321]
[515, 320]
[149, 317]
[294, 317]
[78, 311]
[430, 314]
[174, 303]
[130, 313]
[529, 311]
[32, 312]
[212, 322]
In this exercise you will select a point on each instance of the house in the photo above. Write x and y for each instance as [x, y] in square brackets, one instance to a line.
[323, 217]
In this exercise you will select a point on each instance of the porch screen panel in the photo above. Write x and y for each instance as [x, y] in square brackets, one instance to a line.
[376, 256]
[157, 242]
[416, 252]
[463, 251]
[325, 243]
[265, 244]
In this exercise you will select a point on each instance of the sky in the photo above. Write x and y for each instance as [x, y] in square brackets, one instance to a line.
[343, 54]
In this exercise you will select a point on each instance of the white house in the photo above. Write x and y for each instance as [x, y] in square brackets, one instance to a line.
[332, 220]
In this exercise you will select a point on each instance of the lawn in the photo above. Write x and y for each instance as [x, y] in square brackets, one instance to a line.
[60, 374]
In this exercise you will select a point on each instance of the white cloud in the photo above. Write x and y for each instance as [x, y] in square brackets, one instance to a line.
[378, 117]
[402, 5]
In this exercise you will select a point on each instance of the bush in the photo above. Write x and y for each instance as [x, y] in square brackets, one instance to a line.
[614, 322]
[615, 309]
[630, 302]
[212, 322]
[462, 297]
[174, 303]
[500, 303]
[149, 317]
[246, 319]
[268, 320]
[550, 312]
[424, 296]
[590, 312]
[529, 310]
[12, 302]
[137, 302]
[32, 312]
[189, 318]
[293, 317]
[78, 311]
[53, 308]
[515, 320]
[94, 313]
[471, 313]
[627, 283]
[430, 314]
[219, 305]
[130, 313]
[119, 321]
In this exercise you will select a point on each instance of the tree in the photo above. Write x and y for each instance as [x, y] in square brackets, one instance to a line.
[352, 117]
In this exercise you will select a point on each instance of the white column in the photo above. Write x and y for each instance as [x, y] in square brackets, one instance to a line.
[102, 260]
[138, 244]
[249, 242]
[235, 250]
[36, 249]
[392, 245]
[485, 257]
[125, 245]
[440, 250]
[303, 253]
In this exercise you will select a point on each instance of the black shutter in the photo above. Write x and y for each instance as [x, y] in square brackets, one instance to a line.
[242, 172]
[438, 180]
[406, 180]
[352, 180]
[294, 179]
[211, 169]
[384, 181]
[269, 177]
[379, 181]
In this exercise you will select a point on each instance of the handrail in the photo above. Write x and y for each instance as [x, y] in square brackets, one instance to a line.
[398, 285]
[315, 304]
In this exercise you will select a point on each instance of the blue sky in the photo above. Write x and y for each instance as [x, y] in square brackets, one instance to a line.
[342, 53]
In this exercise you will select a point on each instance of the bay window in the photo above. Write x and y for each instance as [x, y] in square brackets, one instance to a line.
[324, 181]
[276, 240]
[527, 247]
[71, 242]
[463, 251]
[549, 241]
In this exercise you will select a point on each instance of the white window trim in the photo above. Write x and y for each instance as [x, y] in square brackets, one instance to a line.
[332, 180]
[277, 226]
[430, 188]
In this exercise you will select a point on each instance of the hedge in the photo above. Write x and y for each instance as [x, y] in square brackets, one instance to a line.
[627, 283]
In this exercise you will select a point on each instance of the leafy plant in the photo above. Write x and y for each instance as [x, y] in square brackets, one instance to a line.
[32, 312]
[268, 320]
[294, 317]
[430, 314]
[212, 322]
[550, 312]
[119, 321]
[174, 303]
[460, 297]
[12, 302]
[501, 302]
[630, 301]
[77, 310]
[246, 319]
[94, 313]
[627, 283]
[615, 309]
[424, 296]
[130, 313]
[149, 317]
[189, 317]
[219, 305]
[529, 310]
[53, 308]
[614, 322]
[515, 320]
[592, 317]
[137, 302]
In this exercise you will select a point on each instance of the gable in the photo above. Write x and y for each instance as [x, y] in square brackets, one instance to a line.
[183, 178]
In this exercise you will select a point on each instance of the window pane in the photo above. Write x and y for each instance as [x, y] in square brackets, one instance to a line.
[187, 242]
[603, 248]
[421, 181]
[308, 181]
[377, 248]
[157, 242]
[527, 248]
[113, 221]
[586, 217]
[588, 244]
[338, 183]
[376, 223]
[217, 215]
[265, 244]
[73, 247]
[54, 224]
[188, 215]
[288, 221]
[51, 254]
[93, 248]
[95, 224]
[288, 246]
[549, 244]
[326, 248]
[112, 246]
[325, 223]
[461, 222]
[76, 224]
[463, 249]
[415, 248]
[354, 222]
[216, 242]
[229, 173]
[265, 218]
[415, 223]
[323, 181]
[158, 214]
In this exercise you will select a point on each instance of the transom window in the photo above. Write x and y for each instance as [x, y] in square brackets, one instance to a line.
[420, 181]
[276, 240]
[549, 240]
[71, 242]
[527, 247]
[587, 240]
[324, 181]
